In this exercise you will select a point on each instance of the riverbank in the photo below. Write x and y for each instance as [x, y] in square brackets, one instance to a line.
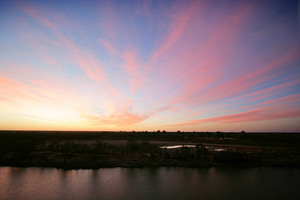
[76, 161]
[105, 150]
[141, 165]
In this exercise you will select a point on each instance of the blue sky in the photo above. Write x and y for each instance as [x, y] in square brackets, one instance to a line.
[149, 65]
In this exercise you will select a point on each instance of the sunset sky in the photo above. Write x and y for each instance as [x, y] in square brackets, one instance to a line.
[150, 65]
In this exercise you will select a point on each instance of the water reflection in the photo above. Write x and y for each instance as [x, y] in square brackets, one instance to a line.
[192, 146]
[178, 146]
[149, 183]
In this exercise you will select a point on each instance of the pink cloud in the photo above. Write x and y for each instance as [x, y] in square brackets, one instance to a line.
[36, 13]
[7, 82]
[41, 51]
[116, 119]
[36, 91]
[109, 47]
[200, 76]
[241, 85]
[131, 66]
[88, 63]
[15, 91]
[143, 9]
[286, 99]
[201, 68]
[257, 114]
[178, 27]
[274, 90]
[270, 90]
[266, 113]
[110, 27]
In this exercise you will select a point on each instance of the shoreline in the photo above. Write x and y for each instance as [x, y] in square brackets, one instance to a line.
[136, 164]
[147, 167]
[141, 150]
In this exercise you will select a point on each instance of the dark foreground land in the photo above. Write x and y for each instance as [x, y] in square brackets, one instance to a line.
[91, 150]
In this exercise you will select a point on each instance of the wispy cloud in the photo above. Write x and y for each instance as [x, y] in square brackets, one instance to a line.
[258, 114]
[109, 47]
[116, 119]
[178, 27]
[131, 67]
[150, 63]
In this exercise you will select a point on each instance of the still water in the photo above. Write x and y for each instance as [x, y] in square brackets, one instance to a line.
[149, 183]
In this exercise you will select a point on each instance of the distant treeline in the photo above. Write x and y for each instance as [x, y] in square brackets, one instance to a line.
[203, 137]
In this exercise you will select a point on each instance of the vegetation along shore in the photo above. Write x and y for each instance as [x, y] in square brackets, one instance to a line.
[92, 150]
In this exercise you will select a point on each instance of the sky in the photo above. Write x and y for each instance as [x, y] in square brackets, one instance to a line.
[150, 65]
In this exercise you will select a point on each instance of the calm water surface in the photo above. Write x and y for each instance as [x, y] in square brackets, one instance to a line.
[148, 183]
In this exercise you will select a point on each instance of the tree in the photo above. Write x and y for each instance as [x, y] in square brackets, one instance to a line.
[201, 151]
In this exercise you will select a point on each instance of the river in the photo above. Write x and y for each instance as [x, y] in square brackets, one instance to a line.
[149, 183]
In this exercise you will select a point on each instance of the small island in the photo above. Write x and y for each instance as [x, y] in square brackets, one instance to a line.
[93, 150]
